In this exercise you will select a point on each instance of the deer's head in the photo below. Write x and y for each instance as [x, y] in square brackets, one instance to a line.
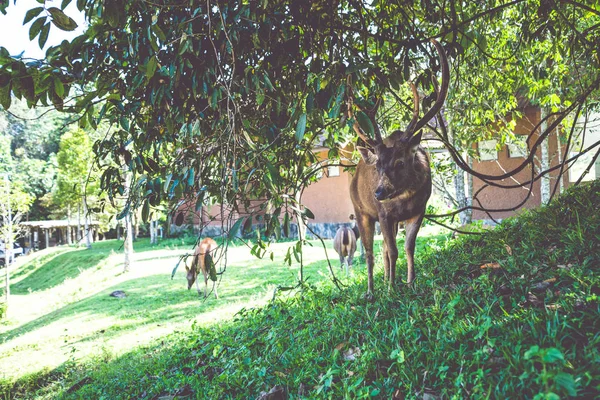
[398, 161]
[191, 276]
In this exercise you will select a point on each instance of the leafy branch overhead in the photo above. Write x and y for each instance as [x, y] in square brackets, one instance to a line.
[225, 99]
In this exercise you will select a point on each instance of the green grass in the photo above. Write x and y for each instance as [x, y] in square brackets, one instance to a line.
[462, 331]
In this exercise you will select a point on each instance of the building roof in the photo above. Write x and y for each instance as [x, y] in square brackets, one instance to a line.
[55, 224]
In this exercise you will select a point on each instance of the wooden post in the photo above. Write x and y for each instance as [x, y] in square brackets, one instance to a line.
[47, 235]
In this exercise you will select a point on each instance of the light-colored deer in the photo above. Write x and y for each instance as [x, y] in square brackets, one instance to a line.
[204, 251]
[344, 243]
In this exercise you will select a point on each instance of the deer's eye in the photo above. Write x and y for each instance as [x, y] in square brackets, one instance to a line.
[399, 164]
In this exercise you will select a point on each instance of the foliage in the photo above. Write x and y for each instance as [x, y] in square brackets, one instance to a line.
[524, 325]
[31, 138]
[74, 160]
[225, 99]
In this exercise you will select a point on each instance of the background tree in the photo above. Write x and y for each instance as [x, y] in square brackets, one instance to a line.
[14, 202]
[33, 136]
[73, 186]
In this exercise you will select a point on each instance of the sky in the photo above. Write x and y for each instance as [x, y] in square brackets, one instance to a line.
[15, 37]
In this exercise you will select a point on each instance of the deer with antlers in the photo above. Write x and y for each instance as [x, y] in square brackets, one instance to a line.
[392, 183]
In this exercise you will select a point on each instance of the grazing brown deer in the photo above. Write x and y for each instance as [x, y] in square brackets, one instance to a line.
[206, 247]
[392, 183]
[344, 243]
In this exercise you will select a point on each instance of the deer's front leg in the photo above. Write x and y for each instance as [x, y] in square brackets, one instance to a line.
[388, 230]
[366, 226]
[412, 229]
[198, 285]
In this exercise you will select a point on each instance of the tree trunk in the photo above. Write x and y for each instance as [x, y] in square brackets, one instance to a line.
[69, 237]
[469, 193]
[7, 247]
[544, 161]
[86, 229]
[128, 245]
[462, 192]
[78, 233]
[136, 227]
[153, 232]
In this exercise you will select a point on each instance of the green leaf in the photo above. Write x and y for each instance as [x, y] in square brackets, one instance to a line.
[36, 27]
[61, 20]
[247, 225]
[553, 355]
[310, 102]
[44, 37]
[235, 229]
[532, 352]
[59, 89]
[268, 82]
[145, 211]
[210, 267]
[365, 123]
[151, 67]
[31, 14]
[286, 225]
[566, 382]
[309, 214]
[179, 219]
[300, 127]
[5, 97]
[64, 4]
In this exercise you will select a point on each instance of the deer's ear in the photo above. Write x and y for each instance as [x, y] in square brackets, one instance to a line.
[368, 156]
[415, 141]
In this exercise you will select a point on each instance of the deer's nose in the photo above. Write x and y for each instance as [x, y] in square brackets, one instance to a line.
[380, 193]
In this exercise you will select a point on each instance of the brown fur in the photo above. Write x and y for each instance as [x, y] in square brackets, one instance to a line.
[206, 246]
[392, 182]
[344, 244]
[403, 191]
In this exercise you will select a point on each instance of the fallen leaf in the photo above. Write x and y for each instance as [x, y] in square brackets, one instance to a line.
[280, 374]
[277, 392]
[543, 285]
[508, 249]
[534, 300]
[351, 354]
[492, 265]
[398, 395]
[553, 306]
[341, 346]
[350, 373]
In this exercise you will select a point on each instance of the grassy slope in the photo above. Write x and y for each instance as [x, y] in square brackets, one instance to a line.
[61, 313]
[461, 332]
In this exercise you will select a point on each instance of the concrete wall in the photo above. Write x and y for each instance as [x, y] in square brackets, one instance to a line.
[502, 198]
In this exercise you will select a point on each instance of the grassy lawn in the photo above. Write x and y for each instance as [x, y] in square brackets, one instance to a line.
[513, 313]
[62, 314]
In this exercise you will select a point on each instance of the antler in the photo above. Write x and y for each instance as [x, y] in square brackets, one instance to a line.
[416, 124]
[370, 142]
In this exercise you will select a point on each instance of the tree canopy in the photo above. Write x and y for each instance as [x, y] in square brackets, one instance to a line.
[226, 99]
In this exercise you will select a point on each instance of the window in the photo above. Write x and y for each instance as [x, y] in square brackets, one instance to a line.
[578, 167]
[487, 150]
[333, 170]
[518, 149]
